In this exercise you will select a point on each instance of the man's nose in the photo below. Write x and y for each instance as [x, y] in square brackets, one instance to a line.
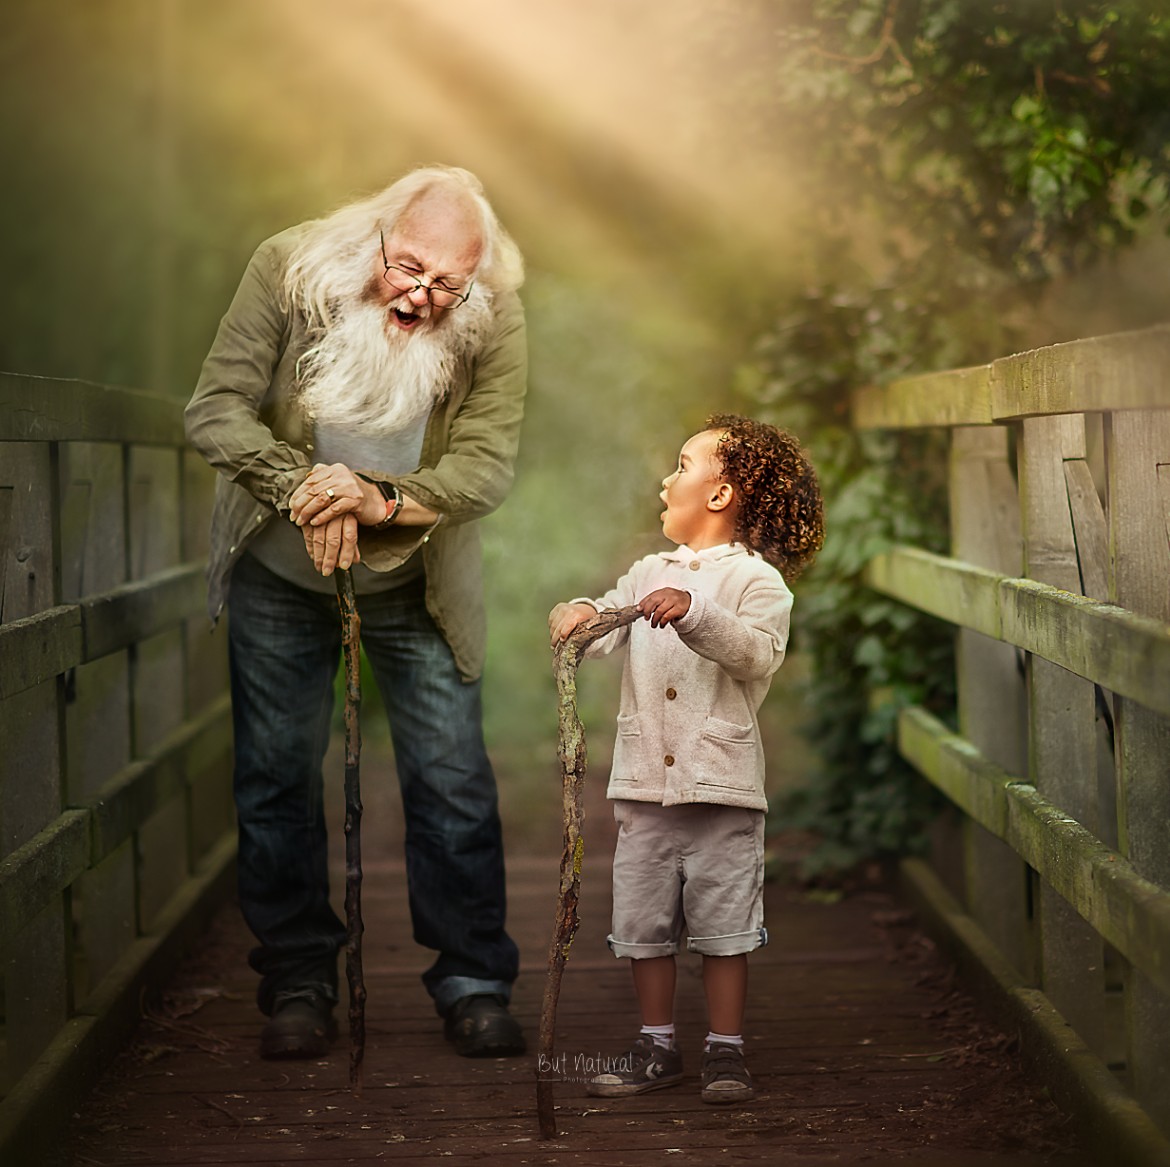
[419, 295]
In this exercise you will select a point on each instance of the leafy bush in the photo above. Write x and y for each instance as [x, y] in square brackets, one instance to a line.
[957, 155]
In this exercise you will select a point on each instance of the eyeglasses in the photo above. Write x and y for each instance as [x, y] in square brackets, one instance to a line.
[438, 294]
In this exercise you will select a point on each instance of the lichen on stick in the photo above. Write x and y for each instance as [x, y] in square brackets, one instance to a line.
[571, 751]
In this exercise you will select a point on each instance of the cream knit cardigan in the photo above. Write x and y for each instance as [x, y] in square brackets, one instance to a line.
[687, 729]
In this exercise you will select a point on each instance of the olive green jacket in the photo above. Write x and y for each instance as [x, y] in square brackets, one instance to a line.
[244, 418]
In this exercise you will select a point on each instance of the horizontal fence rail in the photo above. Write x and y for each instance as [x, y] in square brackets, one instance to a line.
[1118, 649]
[116, 822]
[49, 409]
[1097, 375]
[40, 647]
[1130, 912]
[81, 837]
[1058, 591]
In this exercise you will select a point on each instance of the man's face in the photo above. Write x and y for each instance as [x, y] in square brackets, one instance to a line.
[438, 241]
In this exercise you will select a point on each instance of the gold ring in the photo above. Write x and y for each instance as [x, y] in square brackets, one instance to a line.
[329, 491]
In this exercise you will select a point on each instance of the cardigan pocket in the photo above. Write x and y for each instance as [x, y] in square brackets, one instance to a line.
[627, 748]
[628, 725]
[728, 755]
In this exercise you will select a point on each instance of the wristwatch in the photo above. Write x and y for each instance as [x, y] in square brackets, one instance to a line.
[393, 497]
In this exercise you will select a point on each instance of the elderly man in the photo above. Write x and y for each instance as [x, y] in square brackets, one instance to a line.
[362, 404]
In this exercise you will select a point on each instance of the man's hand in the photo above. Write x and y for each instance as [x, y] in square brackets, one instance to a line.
[565, 617]
[331, 491]
[333, 544]
[664, 606]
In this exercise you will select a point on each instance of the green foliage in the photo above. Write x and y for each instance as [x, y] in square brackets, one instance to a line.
[1029, 136]
[957, 154]
[870, 656]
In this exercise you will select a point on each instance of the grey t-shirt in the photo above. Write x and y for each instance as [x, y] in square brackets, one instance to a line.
[280, 546]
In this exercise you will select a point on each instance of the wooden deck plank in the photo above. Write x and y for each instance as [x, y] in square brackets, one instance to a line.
[860, 1047]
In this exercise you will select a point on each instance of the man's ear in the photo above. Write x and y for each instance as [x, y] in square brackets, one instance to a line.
[722, 497]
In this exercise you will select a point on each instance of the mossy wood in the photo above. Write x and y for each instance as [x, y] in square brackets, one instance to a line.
[958, 397]
[1060, 509]
[1129, 911]
[115, 773]
[1118, 649]
[45, 866]
[992, 704]
[1138, 445]
[571, 751]
[1062, 761]
[40, 647]
[81, 838]
[1122, 371]
[53, 409]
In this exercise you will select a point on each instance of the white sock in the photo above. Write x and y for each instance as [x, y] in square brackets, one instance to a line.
[663, 1035]
[722, 1039]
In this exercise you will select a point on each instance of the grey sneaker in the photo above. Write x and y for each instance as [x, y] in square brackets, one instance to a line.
[725, 1078]
[644, 1066]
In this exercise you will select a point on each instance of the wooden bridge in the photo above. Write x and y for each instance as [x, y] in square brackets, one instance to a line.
[1049, 880]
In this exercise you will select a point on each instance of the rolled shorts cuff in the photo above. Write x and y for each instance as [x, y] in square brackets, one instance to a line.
[732, 944]
[634, 951]
[452, 989]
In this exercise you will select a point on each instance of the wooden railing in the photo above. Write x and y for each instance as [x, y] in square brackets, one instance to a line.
[1059, 586]
[115, 781]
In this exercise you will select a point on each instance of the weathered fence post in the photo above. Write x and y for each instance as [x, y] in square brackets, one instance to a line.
[1089, 814]
[1062, 727]
[985, 531]
[37, 990]
[1138, 460]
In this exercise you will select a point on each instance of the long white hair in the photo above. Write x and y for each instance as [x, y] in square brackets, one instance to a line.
[332, 262]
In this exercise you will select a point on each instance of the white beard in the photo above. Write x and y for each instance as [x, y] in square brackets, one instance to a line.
[368, 376]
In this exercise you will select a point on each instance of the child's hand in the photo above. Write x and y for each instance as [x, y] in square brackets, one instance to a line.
[565, 617]
[665, 606]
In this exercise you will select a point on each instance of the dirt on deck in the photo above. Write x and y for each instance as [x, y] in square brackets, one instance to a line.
[863, 1047]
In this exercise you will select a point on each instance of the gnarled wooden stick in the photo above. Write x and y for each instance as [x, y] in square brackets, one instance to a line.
[351, 639]
[571, 750]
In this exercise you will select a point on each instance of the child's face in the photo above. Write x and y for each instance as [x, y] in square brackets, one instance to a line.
[690, 488]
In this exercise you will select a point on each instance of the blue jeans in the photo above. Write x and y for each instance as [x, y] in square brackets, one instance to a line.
[285, 644]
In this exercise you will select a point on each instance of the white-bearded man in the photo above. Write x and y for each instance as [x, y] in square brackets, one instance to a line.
[362, 403]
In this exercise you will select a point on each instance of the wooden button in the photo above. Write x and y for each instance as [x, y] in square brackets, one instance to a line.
[671, 694]
[694, 565]
[669, 759]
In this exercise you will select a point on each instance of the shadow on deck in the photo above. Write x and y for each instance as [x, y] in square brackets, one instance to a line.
[861, 1047]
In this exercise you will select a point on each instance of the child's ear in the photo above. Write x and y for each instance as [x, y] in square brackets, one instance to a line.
[721, 497]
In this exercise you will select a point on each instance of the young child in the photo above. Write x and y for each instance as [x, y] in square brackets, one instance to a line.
[688, 765]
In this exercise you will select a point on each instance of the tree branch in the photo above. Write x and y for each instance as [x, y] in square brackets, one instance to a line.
[351, 639]
[571, 751]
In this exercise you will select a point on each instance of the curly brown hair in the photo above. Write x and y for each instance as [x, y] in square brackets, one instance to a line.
[780, 513]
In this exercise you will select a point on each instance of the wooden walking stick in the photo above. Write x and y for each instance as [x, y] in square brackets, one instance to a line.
[351, 639]
[571, 751]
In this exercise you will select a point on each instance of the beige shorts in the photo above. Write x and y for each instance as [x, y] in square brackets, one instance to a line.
[698, 867]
